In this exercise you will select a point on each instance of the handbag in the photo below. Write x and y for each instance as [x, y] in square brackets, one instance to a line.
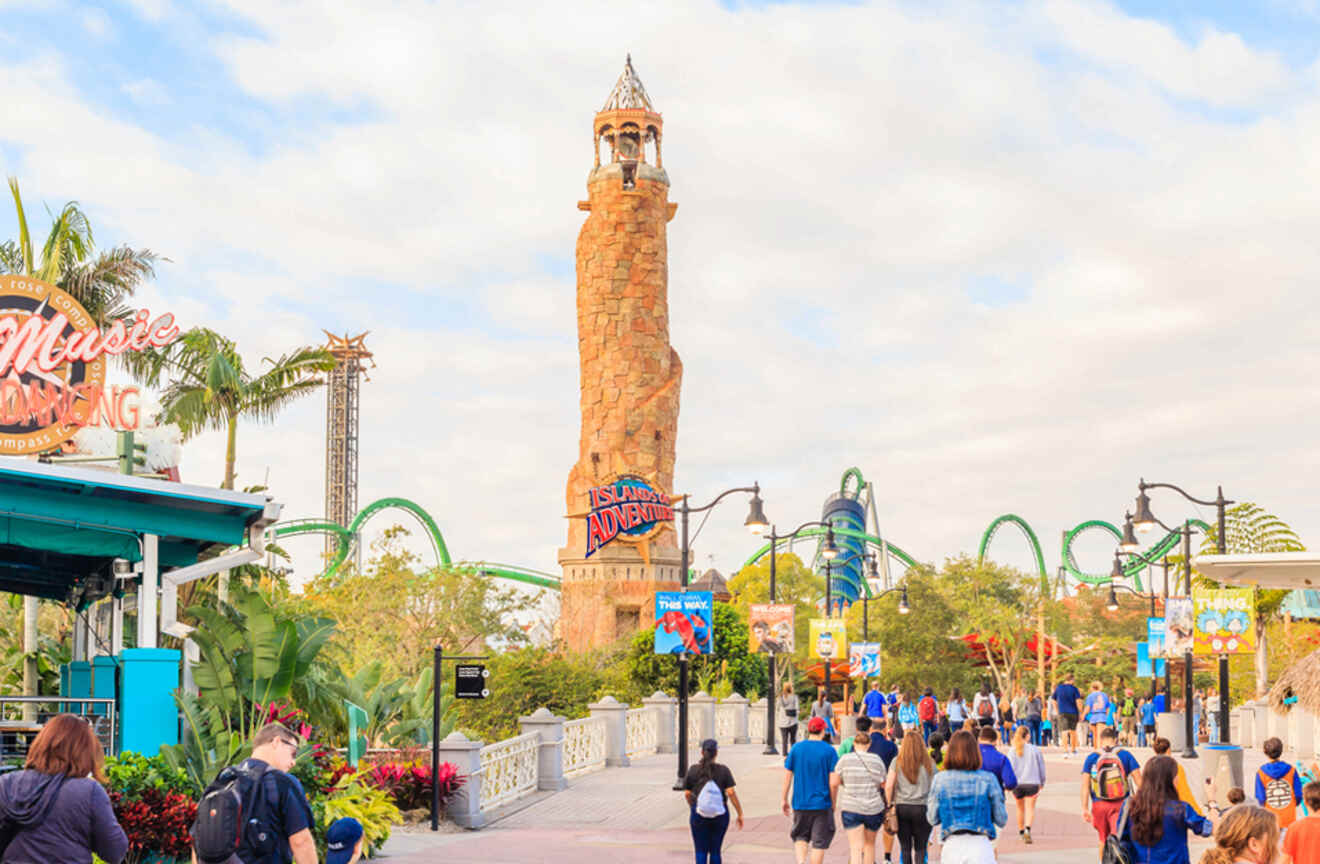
[1116, 851]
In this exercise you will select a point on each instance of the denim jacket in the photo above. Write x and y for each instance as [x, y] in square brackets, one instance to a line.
[966, 801]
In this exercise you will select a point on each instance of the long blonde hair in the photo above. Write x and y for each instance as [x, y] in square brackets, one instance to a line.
[913, 756]
[1019, 739]
[1240, 826]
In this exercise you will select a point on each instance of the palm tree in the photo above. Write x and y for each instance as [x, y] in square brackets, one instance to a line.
[1248, 528]
[206, 385]
[101, 282]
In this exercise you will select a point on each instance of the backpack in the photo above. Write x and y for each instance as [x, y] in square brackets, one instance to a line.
[228, 816]
[710, 801]
[985, 708]
[926, 709]
[1129, 707]
[1279, 798]
[1109, 778]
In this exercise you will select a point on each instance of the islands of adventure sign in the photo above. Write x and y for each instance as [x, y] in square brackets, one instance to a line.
[53, 365]
[629, 509]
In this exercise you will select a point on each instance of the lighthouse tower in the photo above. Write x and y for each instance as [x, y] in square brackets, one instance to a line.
[630, 375]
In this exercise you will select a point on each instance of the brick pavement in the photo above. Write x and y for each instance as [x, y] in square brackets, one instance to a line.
[632, 816]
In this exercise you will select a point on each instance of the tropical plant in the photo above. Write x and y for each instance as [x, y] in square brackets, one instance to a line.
[130, 774]
[207, 386]
[1250, 529]
[409, 783]
[354, 796]
[156, 823]
[101, 283]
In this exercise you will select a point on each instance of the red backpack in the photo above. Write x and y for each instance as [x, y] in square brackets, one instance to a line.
[926, 709]
[1109, 780]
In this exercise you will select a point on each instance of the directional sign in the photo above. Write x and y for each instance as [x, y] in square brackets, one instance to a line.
[470, 681]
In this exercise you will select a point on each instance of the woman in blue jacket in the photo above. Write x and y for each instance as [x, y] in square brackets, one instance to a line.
[1156, 821]
[966, 803]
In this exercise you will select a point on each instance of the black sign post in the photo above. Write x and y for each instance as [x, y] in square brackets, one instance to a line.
[437, 676]
[470, 681]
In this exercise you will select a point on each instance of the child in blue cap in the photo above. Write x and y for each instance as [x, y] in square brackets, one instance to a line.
[343, 841]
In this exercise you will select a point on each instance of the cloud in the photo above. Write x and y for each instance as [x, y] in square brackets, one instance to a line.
[147, 93]
[843, 174]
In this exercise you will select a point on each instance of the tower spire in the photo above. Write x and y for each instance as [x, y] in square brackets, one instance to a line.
[628, 91]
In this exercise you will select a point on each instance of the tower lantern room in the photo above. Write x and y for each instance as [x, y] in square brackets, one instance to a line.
[631, 129]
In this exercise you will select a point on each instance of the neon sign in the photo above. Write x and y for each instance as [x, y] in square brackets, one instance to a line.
[53, 364]
[629, 509]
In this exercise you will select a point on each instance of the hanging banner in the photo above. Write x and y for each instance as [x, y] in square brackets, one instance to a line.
[683, 622]
[1144, 653]
[864, 660]
[1155, 636]
[771, 626]
[829, 638]
[1225, 620]
[1179, 625]
[53, 360]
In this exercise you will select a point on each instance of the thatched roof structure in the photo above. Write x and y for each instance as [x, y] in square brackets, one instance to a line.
[1302, 679]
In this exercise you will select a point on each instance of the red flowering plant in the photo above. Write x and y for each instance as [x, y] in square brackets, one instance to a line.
[409, 784]
[156, 823]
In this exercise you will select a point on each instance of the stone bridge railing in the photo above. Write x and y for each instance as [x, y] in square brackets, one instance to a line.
[551, 750]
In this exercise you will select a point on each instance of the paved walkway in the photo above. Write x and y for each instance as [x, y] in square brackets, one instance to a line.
[628, 815]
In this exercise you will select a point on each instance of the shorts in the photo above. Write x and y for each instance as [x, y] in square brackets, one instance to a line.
[813, 826]
[1026, 790]
[986, 721]
[1067, 722]
[1104, 818]
[1150, 728]
[869, 821]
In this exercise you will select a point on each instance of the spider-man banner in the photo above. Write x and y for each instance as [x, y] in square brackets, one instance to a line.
[683, 622]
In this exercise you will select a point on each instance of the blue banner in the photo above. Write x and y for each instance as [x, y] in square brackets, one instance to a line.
[1143, 661]
[684, 622]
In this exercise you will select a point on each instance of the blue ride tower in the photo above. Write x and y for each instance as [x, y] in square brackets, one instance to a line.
[843, 509]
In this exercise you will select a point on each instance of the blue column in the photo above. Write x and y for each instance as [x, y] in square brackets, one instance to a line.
[80, 684]
[148, 717]
[103, 681]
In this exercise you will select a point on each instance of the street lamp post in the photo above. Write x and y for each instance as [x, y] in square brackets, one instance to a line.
[1145, 520]
[775, 537]
[756, 523]
[1112, 605]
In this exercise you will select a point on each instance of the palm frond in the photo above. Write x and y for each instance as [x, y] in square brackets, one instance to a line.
[11, 259]
[24, 238]
[68, 243]
[102, 285]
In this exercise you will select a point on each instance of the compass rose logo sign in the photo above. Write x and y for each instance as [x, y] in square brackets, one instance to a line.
[53, 364]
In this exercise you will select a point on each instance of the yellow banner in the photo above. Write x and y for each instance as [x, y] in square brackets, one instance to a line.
[1225, 621]
[829, 638]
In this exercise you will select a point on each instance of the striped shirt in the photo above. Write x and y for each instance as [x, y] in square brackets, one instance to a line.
[861, 777]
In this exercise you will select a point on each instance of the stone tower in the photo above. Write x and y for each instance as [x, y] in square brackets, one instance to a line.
[630, 375]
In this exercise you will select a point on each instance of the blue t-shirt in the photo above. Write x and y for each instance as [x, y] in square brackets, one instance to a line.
[1179, 818]
[1159, 703]
[811, 763]
[874, 701]
[1066, 695]
[1148, 714]
[995, 763]
[884, 748]
[287, 812]
[1097, 707]
[1129, 761]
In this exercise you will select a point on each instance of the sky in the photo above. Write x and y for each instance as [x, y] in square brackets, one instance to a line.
[1002, 257]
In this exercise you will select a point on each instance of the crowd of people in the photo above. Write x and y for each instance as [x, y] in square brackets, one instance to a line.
[917, 773]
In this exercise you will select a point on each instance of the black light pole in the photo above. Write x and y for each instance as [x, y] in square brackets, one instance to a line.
[775, 537]
[1168, 672]
[1189, 751]
[1112, 605]
[756, 523]
[1145, 521]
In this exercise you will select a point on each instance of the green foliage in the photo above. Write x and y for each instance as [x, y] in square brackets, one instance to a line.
[54, 627]
[529, 678]
[130, 773]
[919, 648]
[355, 797]
[795, 583]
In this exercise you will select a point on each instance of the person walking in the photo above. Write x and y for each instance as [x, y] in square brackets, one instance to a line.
[928, 712]
[1278, 785]
[908, 790]
[1157, 821]
[1250, 835]
[1034, 714]
[55, 808]
[786, 716]
[1066, 696]
[967, 803]
[1006, 717]
[985, 708]
[709, 789]
[858, 783]
[1096, 709]
[1128, 717]
[824, 710]
[956, 709]
[1146, 715]
[1302, 842]
[908, 716]
[807, 769]
[1108, 777]
[873, 703]
[1028, 764]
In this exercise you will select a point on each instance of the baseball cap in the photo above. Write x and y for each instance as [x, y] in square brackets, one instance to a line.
[710, 746]
[816, 724]
[340, 839]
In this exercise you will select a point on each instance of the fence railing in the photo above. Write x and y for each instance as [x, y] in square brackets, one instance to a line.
[509, 770]
[756, 723]
[22, 717]
[642, 731]
[726, 722]
[584, 745]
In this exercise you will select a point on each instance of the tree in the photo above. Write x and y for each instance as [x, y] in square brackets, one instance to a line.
[207, 385]
[101, 283]
[995, 604]
[795, 583]
[1250, 529]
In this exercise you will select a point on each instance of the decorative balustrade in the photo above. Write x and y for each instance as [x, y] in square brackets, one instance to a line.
[584, 745]
[726, 722]
[643, 731]
[509, 770]
[756, 721]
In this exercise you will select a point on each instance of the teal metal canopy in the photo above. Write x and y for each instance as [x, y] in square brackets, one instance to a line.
[61, 528]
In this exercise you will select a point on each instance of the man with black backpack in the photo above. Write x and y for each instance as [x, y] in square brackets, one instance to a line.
[256, 812]
[1108, 776]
